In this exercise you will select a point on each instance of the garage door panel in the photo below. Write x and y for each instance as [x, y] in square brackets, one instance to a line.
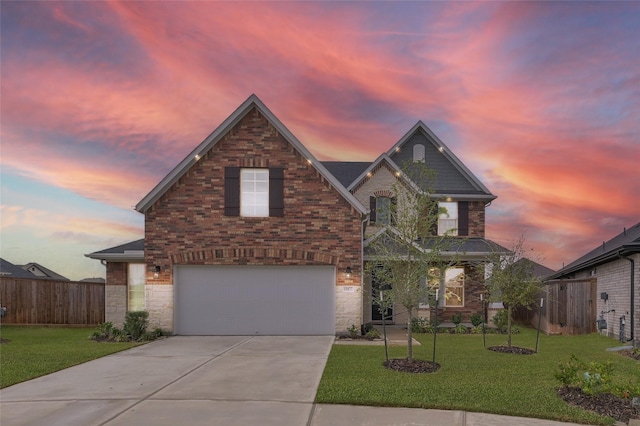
[249, 300]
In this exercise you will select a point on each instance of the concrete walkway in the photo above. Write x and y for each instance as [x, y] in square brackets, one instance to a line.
[209, 381]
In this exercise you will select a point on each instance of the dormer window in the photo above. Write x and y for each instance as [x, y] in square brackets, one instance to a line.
[418, 153]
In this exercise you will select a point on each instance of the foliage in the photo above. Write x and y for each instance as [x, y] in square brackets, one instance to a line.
[372, 334]
[460, 329]
[353, 331]
[419, 324]
[35, 351]
[595, 377]
[478, 329]
[473, 378]
[405, 250]
[476, 320]
[501, 320]
[456, 318]
[135, 324]
[512, 281]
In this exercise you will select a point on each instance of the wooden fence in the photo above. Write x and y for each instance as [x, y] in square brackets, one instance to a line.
[38, 301]
[569, 307]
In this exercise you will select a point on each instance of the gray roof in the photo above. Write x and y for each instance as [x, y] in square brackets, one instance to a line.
[48, 272]
[452, 177]
[346, 171]
[218, 134]
[539, 271]
[8, 269]
[128, 252]
[623, 244]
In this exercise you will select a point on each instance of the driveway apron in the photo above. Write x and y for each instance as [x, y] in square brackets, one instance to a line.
[191, 380]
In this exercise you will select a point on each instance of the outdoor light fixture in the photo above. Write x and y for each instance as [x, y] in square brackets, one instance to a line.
[156, 272]
[348, 272]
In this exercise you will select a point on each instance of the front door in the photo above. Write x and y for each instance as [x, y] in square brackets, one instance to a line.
[376, 314]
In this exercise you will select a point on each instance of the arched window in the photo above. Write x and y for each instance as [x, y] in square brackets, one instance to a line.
[418, 153]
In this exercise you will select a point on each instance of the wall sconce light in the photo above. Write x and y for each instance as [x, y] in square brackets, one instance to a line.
[348, 272]
[156, 271]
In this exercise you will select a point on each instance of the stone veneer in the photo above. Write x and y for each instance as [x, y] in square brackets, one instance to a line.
[187, 224]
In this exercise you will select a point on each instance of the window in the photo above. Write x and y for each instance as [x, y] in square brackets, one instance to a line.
[418, 153]
[448, 221]
[254, 192]
[382, 210]
[454, 285]
[135, 286]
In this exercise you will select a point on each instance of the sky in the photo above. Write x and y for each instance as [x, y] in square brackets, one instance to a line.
[100, 100]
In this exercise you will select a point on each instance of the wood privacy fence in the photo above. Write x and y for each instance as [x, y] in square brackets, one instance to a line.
[569, 307]
[37, 301]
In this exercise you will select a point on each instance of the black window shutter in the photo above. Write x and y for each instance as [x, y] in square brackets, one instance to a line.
[276, 192]
[232, 191]
[372, 207]
[393, 210]
[463, 218]
[434, 216]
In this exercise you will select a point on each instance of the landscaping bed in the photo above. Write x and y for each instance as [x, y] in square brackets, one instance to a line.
[604, 404]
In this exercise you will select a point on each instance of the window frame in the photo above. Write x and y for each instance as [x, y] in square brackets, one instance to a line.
[451, 226]
[136, 280]
[433, 281]
[254, 192]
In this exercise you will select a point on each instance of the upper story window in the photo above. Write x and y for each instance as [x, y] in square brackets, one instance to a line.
[382, 210]
[448, 221]
[253, 192]
[418, 153]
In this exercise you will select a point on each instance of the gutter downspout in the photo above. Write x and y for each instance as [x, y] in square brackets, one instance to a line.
[632, 319]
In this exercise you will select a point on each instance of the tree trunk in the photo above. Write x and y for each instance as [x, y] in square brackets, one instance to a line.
[509, 326]
[409, 338]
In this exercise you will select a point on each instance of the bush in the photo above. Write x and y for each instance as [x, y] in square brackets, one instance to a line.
[592, 377]
[136, 323]
[476, 320]
[353, 331]
[460, 329]
[456, 318]
[419, 325]
[372, 334]
[500, 319]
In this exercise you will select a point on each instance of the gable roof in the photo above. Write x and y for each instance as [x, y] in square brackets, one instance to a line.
[452, 177]
[623, 244]
[48, 273]
[346, 171]
[216, 136]
[8, 269]
[129, 252]
[538, 270]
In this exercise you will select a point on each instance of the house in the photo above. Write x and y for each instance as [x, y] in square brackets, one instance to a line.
[251, 234]
[615, 266]
[30, 270]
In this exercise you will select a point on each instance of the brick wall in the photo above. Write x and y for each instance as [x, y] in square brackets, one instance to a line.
[187, 224]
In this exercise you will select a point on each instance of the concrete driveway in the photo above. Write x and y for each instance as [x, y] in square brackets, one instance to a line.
[226, 380]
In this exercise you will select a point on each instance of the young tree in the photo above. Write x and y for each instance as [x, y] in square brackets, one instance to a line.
[512, 281]
[407, 247]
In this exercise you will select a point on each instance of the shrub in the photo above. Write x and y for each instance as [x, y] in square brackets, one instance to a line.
[353, 331]
[419, 325]
[456, 318]
[477, 329]
[460, 329]
[476, 320]
[592, 377]
[372, 334]
[500, 319]
[136, 323]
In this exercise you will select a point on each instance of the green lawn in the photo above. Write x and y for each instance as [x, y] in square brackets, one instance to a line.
[471, 378]
[35, 351]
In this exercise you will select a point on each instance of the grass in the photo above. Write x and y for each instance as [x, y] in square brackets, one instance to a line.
[471, 378]
[35, 351]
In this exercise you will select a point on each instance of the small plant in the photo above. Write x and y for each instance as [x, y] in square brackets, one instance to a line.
[418, 325]
[476, 320]
[136, 323]
[353, 331]
[501, 319]
[372, 334]
[592, 377]
[367, 328]
[456, 318]
[460, 329]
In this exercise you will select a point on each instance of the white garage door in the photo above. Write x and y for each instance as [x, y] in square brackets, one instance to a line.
[250, 300]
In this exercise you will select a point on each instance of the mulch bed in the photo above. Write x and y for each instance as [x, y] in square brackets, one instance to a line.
[603, 404]
[415, 366]
[512, 350]
[4, 340]
[631, 354]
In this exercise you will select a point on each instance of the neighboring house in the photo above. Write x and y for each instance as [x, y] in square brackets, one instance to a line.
[615, 265]
[250, 234]
[30, 270]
